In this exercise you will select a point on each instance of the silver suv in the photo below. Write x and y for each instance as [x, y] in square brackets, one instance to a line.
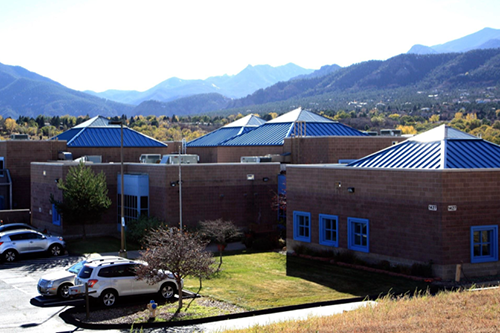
[16, 242]
[109, 280]
[58, 283]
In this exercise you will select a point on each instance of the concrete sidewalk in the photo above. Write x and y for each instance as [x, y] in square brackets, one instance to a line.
[211, 248]
[267, 319]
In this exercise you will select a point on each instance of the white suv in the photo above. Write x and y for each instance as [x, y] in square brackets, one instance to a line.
[16, 242]
[110, 279]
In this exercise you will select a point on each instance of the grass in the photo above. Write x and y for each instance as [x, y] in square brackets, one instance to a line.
[257, 281]
[457, 312]
[97, 245]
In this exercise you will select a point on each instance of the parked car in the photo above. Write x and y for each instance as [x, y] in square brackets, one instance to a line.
[112, 279]
[16, 226]
[16, 242]
[58, 283]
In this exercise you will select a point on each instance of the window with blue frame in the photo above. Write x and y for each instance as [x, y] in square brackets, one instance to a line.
[328, 230]
[302, 226]
[484, 243]
[56, 218]
[358, 234]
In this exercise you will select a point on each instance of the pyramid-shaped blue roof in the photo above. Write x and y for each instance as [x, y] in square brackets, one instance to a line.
[440, 148]
[97, 132]
[229, 131]
[294, 123]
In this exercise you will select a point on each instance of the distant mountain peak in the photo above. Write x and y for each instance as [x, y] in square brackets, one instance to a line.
[476, 40]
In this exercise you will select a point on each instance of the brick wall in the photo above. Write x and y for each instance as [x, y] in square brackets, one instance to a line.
[206, 154]
[209, 191]
[233, 154]
[18, 154]
[396, 204]
[309, 150]
[113, 154]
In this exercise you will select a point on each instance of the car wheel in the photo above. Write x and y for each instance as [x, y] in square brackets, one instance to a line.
[108, 298]
[168, 290]
[56, 250]
[10, 255]
[63, 290]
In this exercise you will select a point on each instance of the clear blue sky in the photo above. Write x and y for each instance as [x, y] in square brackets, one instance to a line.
[134, 45]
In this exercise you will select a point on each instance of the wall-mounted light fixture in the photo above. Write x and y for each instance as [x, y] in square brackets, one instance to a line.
[250, 177]
[172, 184]
[44, 173]
[57, 180]
[265, 179]
[350, 189]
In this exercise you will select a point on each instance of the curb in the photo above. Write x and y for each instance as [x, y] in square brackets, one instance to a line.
[68, 317]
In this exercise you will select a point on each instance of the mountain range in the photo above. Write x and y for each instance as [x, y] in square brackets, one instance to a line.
[486, 38]
[240, 85]
[471, 61]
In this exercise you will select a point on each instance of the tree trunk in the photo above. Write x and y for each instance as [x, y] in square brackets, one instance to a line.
[179, 291]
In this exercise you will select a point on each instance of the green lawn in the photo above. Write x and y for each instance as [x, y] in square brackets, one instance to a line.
[260, 281]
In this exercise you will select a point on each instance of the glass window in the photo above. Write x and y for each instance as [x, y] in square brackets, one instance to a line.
[484, 243]
[302, 226]
[328, 230]
[358, 234]
[56, 218]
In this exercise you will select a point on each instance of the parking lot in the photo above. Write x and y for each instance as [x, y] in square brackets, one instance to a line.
[18, 293]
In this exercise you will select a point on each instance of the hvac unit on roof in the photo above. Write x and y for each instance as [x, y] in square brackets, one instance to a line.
[255, 159]
[183, 159]
[65, 155]
[150, 158]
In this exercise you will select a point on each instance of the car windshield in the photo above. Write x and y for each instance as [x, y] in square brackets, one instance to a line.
[75, 269]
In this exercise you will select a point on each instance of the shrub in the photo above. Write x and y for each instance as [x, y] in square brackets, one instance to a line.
[136, 230]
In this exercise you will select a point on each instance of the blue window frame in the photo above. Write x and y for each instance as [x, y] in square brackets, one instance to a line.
[484, 243]
[302, 226]
[358, 234]
[328, 230]
[56, 218]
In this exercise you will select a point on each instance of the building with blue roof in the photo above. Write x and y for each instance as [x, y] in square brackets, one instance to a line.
[440, 148]
[272, 138]
[429, 202]
[296, 123]
[97, 136]
[98, 132]
[227, 132]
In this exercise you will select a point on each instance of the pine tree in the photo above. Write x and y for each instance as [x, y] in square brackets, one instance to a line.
[85, 196]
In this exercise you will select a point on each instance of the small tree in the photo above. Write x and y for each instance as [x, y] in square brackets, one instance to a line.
[85, 196]
[176, 251]
[219, 231]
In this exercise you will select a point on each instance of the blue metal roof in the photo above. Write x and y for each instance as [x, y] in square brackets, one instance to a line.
[229, 131]
[441, 148]
[265, 135]
[98, 133]
[274, 134]
[213, 139]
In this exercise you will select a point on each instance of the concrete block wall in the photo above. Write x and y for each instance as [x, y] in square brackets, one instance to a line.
[233, 154]
[209, 191]
[331, 149]
[396, 203]
[112, 154]
[18, 154]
